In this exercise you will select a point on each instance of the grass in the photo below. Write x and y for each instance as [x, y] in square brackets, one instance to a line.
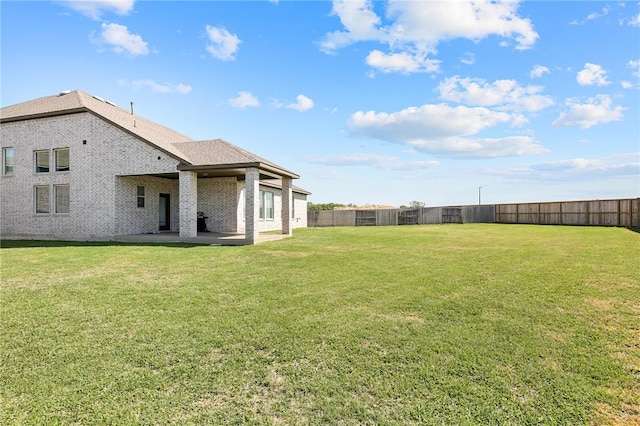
[458, 324]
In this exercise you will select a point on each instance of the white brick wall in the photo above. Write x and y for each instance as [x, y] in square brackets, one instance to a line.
[98, 199]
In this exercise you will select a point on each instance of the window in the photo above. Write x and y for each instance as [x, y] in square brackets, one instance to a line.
[266, 205]
[7, 161]
[61, 157]
[42, 161]
[141, 192]
[61, 196]
[41, 195]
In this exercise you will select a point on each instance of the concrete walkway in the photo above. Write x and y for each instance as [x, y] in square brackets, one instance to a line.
[205, 238]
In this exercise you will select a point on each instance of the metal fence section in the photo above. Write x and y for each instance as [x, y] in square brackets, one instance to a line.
[621, 212]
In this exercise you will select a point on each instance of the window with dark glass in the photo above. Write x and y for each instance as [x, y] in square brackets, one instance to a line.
[7, 161]
[42, 161]
[141, 196]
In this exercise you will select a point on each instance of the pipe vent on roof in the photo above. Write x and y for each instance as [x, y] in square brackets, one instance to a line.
[64, 92]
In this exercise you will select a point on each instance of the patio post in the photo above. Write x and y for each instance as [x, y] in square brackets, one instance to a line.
[287, 204]
[252, 204]
[188, 204]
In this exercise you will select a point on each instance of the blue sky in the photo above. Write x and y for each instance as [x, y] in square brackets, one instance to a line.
[380, 102]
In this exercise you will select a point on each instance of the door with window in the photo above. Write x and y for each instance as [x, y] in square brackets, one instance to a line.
[165, 212]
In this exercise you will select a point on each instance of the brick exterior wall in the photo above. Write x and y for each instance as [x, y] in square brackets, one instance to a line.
[98, 153]
[106, 165]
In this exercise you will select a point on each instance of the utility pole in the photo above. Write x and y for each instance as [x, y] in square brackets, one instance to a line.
[480, 194]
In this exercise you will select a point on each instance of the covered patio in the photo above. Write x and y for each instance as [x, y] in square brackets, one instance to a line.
[204, 238]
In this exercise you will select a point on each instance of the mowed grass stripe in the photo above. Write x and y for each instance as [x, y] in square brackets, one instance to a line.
[457, 324]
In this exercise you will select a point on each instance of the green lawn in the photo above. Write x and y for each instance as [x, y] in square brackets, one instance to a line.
[452, 324]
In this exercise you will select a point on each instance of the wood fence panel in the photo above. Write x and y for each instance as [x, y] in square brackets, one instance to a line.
[479, 214]
[386, 217]
[550, 214]
[409, 217]
[344, 218]
[430, 215]
[324, 218]
[365, 218]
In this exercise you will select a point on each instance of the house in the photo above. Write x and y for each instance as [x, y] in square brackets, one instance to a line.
[75, 165]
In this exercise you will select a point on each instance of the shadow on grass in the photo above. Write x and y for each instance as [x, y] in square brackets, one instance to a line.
[9, 244]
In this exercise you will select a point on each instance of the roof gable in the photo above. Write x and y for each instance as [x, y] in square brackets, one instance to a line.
[77, 101]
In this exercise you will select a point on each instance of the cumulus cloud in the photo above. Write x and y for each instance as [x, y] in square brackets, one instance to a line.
[597, 110]
[244, 100]
[95, 8]
[538, 71]
[592, 74]
[122, 41]
[416, 28]
[605, 11]
[443, 130]
[634, 21]
[468, 59]
[504, 94]
[155, 87]
[403, 62]
[384, 162]
[301, 104]
[222, 44]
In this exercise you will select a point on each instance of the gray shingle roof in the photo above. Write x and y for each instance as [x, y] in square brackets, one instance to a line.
[183, 148]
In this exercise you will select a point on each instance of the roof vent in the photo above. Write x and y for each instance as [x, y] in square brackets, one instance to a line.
[110, 103]
[98, 98]
[64, 92]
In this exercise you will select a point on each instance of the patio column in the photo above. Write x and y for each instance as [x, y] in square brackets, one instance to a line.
[251, 204]
[188, 204]
[287, 204]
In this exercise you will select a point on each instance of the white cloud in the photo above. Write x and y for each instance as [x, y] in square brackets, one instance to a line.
[223, 45]
[595, 15]
[635, 65]
[403, 62]
[122, 41]
[538, 71]
[95, 8]
[243, 100]
[155, 87]
[627, 164]
[504, 94]
[634, 21]
[597, 110]
[468, 59]
[384, 162]
[443, 130]
[626, 84]
[301, 104]
[592, 74]
[417, 27]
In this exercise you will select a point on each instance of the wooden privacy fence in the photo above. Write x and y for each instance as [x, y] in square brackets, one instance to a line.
[622, 212]
[385, 217]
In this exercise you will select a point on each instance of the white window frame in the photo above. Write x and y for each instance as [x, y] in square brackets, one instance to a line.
[5, 164]
[141, 198]
[46, 190]
[35, 160]
[55, 159]
[267, 205]
[57, 204]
